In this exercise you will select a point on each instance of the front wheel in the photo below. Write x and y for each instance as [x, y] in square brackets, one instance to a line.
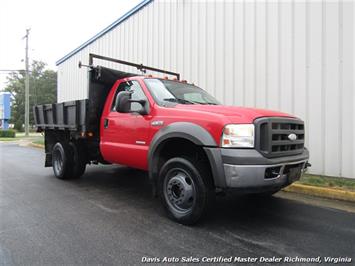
[185, 189]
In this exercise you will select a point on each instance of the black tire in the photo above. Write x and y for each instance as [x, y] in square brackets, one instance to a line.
[79, 157]
[185, 189]
[62, 160]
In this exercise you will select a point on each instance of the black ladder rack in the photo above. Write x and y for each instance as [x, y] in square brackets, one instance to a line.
[140, 67]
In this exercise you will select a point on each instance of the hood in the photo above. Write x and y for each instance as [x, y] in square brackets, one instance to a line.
[241, 114]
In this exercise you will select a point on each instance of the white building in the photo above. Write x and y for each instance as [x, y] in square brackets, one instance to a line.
[291, 56]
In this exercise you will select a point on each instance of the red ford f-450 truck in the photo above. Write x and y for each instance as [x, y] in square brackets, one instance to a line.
[191, 145]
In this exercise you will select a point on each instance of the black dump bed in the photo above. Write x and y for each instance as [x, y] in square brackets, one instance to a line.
[80, 115]
[69, 115]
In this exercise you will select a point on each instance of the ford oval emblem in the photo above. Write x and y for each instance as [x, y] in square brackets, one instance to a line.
[292, 137]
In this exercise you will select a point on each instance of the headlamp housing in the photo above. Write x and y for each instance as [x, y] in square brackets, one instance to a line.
[238, 136]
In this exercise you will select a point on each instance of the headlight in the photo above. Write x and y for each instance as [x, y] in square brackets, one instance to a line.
[238, 136]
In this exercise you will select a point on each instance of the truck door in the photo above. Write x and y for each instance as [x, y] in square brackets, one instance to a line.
[142, 133]
[120, 137]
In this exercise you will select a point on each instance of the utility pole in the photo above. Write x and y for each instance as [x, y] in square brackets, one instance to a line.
[27, 88]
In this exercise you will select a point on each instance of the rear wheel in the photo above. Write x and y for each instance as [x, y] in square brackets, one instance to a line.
[62, 160]
[79, 157]
[68, 161]
[185, 189]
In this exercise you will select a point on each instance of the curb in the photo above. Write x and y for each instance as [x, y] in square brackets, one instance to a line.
[36, 145]
[329, 193]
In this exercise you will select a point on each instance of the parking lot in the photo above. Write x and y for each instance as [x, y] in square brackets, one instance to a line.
[109, 217]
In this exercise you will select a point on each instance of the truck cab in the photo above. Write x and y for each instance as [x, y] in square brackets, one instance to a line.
[191, 145]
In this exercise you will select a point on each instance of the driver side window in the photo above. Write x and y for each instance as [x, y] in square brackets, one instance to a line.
[137, 94]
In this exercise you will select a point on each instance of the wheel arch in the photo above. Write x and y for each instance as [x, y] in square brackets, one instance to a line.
[177, 135]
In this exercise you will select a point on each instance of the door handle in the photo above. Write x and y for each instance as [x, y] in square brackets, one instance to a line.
[105, 123]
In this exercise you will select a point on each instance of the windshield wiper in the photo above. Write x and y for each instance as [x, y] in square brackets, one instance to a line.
[178, 100]
[183, 101]
[170, 100]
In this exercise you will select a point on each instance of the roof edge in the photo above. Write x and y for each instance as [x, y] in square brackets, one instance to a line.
[105, 30]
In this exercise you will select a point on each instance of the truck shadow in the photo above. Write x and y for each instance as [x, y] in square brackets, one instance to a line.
[120, 198]
[126, 184]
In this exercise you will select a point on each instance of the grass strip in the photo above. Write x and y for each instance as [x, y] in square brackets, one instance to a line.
[328, 181]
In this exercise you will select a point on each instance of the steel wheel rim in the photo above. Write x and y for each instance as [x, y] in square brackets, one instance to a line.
[179, 190]
[58, 161]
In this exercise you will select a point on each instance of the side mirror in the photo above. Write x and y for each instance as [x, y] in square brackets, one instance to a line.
[122, 103]
[143, 103]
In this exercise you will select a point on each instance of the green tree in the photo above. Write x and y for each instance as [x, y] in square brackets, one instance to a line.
[43, 84]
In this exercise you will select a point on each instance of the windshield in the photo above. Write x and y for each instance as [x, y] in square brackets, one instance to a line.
[168, 91]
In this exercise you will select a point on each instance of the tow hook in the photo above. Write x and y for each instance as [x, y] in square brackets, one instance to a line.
[306, 167]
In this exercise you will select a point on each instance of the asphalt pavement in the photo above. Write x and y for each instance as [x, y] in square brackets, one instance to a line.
[108, 217]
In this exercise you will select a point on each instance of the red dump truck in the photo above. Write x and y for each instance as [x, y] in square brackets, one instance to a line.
[191, 145]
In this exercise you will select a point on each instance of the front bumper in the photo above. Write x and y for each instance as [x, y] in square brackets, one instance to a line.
[255, 176]
[248, 170]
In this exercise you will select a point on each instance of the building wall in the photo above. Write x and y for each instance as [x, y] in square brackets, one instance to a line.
[291, 56]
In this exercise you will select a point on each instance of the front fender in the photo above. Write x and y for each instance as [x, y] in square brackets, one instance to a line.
[185, 130]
